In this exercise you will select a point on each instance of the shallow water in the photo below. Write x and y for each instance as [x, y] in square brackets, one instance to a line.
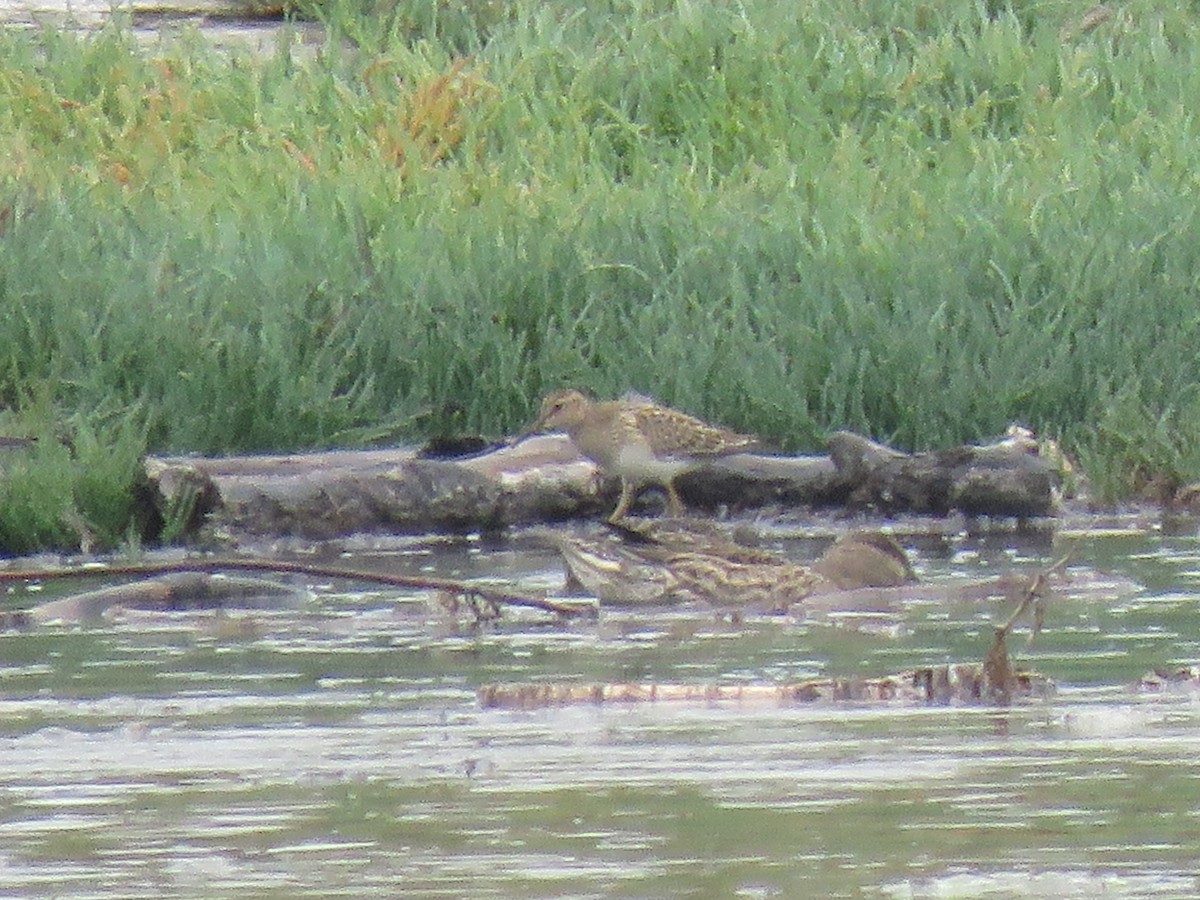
[339, 749]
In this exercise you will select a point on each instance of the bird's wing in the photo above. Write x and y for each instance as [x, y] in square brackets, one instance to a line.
[670, 432]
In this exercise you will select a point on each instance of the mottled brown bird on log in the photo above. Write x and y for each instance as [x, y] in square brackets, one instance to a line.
[638, 440]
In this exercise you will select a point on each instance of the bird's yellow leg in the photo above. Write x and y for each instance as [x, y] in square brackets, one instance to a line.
[623, 503]
[674, 504]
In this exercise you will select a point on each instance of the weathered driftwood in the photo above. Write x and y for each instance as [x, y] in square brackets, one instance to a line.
[171, 592]
[964, 683]
[1002, 682]
[1004, 479]
[325, 495]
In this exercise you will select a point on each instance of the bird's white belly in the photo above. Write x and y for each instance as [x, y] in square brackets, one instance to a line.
[638, 463]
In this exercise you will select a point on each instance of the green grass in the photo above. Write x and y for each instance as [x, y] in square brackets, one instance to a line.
[921, 223]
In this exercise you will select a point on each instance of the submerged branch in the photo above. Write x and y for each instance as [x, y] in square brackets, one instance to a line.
[998, 672]
[1034, 595]
[446, 587]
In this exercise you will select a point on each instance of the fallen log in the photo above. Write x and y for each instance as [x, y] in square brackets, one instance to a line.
[544, 478]
[964, 683]
[171, 592]
[325, 495]
[1008, 478]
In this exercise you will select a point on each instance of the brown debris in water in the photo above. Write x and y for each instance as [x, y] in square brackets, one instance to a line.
[964, 683]
[1158, 680]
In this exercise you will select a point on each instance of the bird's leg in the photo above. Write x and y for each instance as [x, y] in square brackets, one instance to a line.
[623, 503]
[674, 504]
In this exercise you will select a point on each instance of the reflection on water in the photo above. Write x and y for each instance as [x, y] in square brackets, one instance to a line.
[338, 750]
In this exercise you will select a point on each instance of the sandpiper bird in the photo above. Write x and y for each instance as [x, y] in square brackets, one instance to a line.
[652, 565]
[635, 438]
[622, 574]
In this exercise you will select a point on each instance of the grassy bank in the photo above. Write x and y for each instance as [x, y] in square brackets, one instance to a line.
[920, 224]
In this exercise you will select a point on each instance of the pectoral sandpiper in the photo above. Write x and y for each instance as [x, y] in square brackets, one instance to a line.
[652, 565]
[622, 574]
[643, 443]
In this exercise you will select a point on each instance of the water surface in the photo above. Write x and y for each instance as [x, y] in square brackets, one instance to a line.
[338, 749]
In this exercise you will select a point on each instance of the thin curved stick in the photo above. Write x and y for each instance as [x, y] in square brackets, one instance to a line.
[446, 585]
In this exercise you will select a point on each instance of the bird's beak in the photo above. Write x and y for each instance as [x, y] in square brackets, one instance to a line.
[535, 428]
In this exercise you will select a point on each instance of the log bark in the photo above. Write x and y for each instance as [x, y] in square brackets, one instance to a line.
[327, 495]
[1004, 479]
